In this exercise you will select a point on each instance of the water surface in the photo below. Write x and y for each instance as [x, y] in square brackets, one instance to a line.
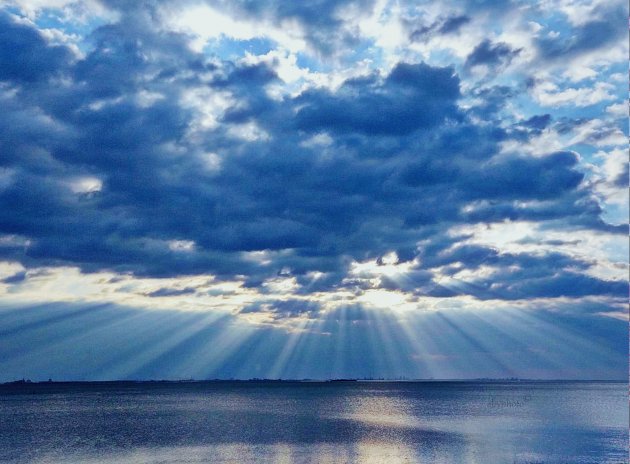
[335, 422]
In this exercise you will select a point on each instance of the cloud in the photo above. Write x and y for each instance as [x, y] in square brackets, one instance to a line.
[319, 25]
[108, 160]
[528, 177]
[488, 273]
[538, 122]
[449, 25]
[453, 24]
[15, 278]
[568, 284]
[280, 309]
[321, 21]
[165, 291]
[25, 55]
[411, 97]
[586, 37]
[491, 54]
[549, 94]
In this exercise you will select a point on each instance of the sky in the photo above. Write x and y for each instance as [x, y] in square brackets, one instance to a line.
[326, 189]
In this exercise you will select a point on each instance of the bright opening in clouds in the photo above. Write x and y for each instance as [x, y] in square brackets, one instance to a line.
[339, 188]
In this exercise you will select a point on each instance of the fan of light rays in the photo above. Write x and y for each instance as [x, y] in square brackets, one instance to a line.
[309, 358]
[203, 355]
[397, 348]
[159, 338]
[62, 329]
[291, 350]
[560, 343]
[507, 331]
[106, 341]
[430, 358]
[468, 338]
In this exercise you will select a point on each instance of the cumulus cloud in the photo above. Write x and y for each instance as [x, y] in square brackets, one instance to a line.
[25, 55]
[409, 98]
[491, 54]
[585, 37]
[280, 309]
[146, 156]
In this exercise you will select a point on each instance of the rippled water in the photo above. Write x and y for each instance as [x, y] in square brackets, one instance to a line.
[353, 422]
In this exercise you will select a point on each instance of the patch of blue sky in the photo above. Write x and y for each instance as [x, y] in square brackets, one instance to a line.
[231, 49]
[586, 152]
[14, 10]
[444, 57]
[75, 27]
[80, 25]
[615, 213]
[365, 50]
[528, 107]
[307, 61]
[618, 67]
[594, 111]
[551, 21]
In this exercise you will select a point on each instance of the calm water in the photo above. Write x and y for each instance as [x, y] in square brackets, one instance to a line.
[354, 422]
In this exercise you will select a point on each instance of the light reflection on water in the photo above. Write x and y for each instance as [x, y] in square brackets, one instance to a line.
[433, 422]
[281, 453]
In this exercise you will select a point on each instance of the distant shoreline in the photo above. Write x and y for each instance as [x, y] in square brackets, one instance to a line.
[26, 382]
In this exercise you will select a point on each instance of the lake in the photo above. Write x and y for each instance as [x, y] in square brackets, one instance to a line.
[481, 422]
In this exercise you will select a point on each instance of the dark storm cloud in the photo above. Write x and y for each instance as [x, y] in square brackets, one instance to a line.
[453, 24]
[15, 278]
[165, 291]
[530, 240]
[443, 26]
[491, 54]
[492, 100]
[25, 56]
[567, 125]
[528, 177]
[403, 164]
[622, 179]
[522, 275]
[409, 98]
[532, 127]
[538, 122]
[567, 284]
[281, 309]
[591, 35]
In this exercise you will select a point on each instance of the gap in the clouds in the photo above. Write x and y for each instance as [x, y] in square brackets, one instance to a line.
[68, 26]
[227, 48]
[306, 61]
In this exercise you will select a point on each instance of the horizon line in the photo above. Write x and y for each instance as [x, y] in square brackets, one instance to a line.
[25, 381]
